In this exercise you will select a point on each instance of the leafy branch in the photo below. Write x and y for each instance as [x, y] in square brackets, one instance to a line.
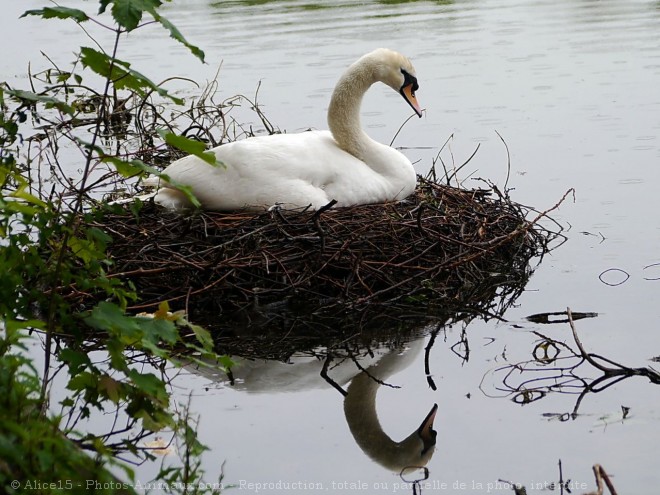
[52, 244]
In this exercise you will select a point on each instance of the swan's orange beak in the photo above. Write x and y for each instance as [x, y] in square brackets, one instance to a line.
[408, 94]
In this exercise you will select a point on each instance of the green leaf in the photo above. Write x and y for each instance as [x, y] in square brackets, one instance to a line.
[77, 360]
[58, 13]
[12, 326]
[82, 381]
[22, 193]
[203, 336]
[111, 387]
[101, 237]
[155, 329]
[121, 74]
[188, 192]
[18, 207]
[176, 34]
[128, 13]
[83, 249]
[136, 331]
[149, 383]
[129, 168]
[110, 317]
[191, 146]
[116, 350]
[103, 6]
[48, 101]
[125, 168]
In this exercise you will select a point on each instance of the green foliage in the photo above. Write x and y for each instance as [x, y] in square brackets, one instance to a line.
[59, 13]
[189, 472]
[120, 73]
[29, 98]
[175, 34]
[190, 146]
[126, 13]
[32, 448]
[53, 250]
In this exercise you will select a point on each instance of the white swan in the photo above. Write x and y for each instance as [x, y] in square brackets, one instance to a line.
[309, 168]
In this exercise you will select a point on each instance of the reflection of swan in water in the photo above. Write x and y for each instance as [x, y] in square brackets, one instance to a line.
[360, 409]
[300, 373]
[362, 418]
[305, 373]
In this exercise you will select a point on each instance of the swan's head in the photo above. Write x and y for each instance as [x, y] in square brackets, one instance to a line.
[398, 73]
[427, 434]
[415, 450]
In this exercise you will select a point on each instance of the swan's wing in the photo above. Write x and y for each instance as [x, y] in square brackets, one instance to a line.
[290, 169]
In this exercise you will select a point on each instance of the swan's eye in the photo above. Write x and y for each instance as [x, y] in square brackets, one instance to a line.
[409, 80]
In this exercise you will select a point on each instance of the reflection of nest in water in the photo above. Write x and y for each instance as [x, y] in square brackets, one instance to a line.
[443, 247]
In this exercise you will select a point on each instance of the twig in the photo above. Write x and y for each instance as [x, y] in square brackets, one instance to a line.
[508, 161]
[601, 476]
[584, 353]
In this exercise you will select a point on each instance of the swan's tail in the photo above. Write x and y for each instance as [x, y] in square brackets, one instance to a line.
[152, 181]
[162, 195]
[142, 197]
[172, 199]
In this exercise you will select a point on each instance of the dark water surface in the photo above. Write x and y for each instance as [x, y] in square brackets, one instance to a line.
[573, 87]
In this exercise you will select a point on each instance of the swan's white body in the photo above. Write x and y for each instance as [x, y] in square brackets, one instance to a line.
[310, 168]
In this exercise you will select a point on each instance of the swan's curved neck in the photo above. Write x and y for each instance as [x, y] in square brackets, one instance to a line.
[344, 109]
[360, 411]
[362, 418]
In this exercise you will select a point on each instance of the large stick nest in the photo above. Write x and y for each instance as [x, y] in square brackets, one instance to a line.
[442, 246]
[446, 252]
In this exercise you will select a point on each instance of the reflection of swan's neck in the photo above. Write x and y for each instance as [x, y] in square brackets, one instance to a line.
[362, 419]
[344, 110]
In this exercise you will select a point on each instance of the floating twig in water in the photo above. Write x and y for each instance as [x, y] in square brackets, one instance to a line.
[557, 371]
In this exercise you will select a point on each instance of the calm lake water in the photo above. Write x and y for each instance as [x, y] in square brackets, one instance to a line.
[573, 87]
